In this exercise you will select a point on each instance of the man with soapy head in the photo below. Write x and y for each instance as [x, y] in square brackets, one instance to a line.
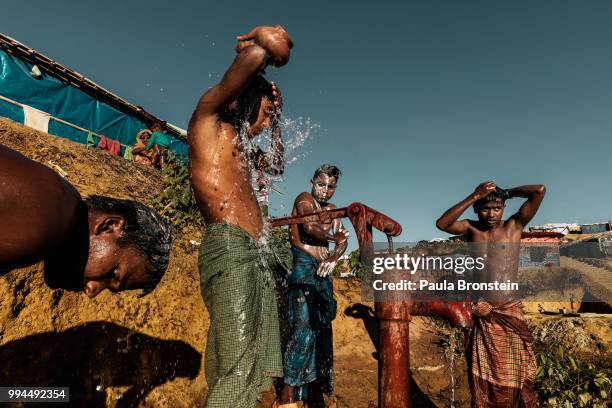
[308, 359]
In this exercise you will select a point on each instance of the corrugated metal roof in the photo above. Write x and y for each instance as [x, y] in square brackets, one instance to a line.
[541, 234]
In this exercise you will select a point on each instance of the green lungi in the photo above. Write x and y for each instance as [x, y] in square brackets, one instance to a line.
[243, 350]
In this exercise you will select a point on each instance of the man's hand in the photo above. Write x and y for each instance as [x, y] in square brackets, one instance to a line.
[326, 267]
[483, 190]
[340, 237]
[274, 40]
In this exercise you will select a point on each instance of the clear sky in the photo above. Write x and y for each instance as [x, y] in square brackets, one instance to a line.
[416, 101]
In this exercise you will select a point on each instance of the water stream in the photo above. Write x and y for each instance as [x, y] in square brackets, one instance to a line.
[451, 365]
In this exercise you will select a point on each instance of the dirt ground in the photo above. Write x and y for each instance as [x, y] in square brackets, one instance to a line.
[118, 350]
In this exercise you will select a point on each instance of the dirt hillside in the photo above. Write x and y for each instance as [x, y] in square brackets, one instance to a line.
[118, 350]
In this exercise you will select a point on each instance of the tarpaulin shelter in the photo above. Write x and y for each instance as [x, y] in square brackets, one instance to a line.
[39, 92]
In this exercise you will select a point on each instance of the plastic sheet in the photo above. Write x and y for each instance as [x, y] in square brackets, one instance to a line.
[66, 102]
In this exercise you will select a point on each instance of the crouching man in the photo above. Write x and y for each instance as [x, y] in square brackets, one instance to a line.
[91, 245]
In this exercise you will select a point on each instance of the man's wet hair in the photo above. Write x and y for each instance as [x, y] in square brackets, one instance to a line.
[251, 97]
[144, 229]
[262, 86]
[329, 169]
[499, 195]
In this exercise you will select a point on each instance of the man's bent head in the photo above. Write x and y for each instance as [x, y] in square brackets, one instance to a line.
[324, 182]
[257, 105]
[129, 245]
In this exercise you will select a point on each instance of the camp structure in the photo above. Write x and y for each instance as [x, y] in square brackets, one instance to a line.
[563, 228]
[41, 93]
[592, 246]
[540, 249]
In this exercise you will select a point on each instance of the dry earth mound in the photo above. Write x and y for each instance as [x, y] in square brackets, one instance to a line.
[118, 350]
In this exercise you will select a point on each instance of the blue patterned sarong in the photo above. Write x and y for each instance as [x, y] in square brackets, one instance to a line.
[312, 307]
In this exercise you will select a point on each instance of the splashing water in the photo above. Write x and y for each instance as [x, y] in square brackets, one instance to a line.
[299, 130]
[295, 134]
[451, 365]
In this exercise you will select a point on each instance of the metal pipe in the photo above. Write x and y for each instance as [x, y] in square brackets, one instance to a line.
[394, 354]
[393, 316]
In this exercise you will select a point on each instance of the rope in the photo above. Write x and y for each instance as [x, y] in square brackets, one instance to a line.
[60, 120]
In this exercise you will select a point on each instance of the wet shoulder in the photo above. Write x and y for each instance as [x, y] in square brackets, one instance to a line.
[304, 204]
[37, 206]
[201, 126]
[512, 231]
[304, 197]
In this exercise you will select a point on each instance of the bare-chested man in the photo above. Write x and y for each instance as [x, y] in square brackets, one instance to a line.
[501, 361]
[243, 348]
[93, 244]
[308, 360]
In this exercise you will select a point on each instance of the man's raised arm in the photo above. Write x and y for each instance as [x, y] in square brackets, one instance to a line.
[534, 194]
[249, 62]
[255, 50]
[449, 221]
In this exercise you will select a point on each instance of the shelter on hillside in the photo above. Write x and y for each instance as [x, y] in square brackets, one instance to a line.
[592, 246]
[540, 249]
[596, 228]
[563, 228]
[41, 93]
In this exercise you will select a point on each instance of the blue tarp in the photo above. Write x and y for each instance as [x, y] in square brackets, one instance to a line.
[66, 102]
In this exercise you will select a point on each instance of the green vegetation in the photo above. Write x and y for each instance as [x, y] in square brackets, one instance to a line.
[355, 265]
[176, 200]
[567, 381]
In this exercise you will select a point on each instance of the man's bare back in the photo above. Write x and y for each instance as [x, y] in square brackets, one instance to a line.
[37, 207]
[91, 244]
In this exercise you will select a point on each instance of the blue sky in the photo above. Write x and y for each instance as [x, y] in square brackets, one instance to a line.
[416, 101]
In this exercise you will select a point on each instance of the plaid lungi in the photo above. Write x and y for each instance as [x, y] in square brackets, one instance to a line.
[243, 349]
[501, 362]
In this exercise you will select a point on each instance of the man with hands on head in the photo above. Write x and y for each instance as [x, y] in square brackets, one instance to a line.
[243, 349]
[308, 360]
[501, 363]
